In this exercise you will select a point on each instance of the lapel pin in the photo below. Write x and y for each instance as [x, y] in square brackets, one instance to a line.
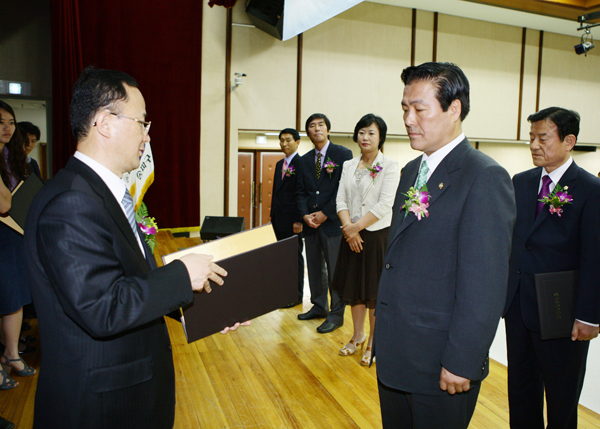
[441, 185]
[565, 188]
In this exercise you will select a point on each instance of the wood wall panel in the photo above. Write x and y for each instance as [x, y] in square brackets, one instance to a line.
[212, 113]
[529, 80]
[490, 56]
[352, 65]
[572, 81]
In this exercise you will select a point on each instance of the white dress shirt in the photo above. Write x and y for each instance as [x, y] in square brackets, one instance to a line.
[115, 183]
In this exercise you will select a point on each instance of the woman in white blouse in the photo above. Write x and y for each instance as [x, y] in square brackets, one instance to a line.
[364, 205]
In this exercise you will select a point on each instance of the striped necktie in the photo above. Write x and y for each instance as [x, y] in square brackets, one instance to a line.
[127, 202]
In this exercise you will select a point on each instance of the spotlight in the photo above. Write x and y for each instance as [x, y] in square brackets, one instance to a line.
[583, 48]
[587, 43]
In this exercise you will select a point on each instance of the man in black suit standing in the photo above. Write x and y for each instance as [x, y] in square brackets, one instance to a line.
[550, 239]
[106, 354]
[444, 280]
[318, 182]
[285, 216]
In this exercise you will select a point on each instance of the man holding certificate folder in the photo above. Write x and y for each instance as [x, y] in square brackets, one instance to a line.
[556, 242]
[106, 354]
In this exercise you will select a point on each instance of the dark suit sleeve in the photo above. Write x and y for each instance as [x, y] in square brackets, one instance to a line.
[484, 243]
[587, 308]
[301, 189]
[276, 179]
[92, 273]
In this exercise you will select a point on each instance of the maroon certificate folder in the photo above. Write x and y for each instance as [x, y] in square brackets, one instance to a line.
[258, 281]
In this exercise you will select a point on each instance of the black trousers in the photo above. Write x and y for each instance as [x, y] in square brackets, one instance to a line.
[321, 257]
[404, 410]
[556, 366]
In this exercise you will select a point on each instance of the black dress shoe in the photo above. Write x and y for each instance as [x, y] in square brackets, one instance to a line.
[327, 327]
[5, 424]
[27, 350]
[27, 340]
[311, 315]
[293, 304]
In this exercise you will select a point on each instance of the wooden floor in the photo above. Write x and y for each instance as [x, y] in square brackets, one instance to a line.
[277, 373]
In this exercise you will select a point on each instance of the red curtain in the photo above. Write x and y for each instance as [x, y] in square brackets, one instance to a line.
[159, 44]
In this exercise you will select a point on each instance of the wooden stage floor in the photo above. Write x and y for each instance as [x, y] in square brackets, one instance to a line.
[277, 373]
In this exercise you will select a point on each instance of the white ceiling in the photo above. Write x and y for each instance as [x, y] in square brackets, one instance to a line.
[495, 14]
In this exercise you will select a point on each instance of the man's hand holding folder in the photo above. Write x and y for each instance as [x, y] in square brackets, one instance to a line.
[201, 270]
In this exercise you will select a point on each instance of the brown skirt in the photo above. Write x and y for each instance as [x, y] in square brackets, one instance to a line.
[356, 277]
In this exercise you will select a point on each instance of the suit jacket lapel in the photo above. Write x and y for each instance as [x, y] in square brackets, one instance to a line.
[400, 221]
[438, 183]
[277, 180]
[107, 198]
[567, 179]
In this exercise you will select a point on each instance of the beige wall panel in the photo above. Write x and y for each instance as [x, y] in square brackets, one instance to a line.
[424, 37]
[400, 150]
[532, 49]
[515, 158]
[490, 56]
[589, 161]
[352, 65]
[239, 15]
[267, 98]
[572, 81]
[212, 136]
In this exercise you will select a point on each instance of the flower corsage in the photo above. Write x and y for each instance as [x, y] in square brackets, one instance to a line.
[329, 166]
[147, 225]
[374, 169]
[557, 198]
[289, 171]
[417, 202]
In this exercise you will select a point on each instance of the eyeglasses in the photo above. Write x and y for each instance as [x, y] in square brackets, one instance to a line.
[145, 125]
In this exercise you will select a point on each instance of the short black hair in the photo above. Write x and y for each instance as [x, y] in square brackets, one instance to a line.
[366, 121]
[567, 121]
[29, 128]
[318, 116]
[295, 134]
[95, 90]
[448, 78]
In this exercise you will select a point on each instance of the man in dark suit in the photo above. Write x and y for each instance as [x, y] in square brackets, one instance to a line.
[546, 241]
[446, 265]
[285, 216]
[106, 355]
[318, 182]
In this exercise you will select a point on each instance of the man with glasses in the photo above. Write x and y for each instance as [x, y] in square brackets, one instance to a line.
[100, 299]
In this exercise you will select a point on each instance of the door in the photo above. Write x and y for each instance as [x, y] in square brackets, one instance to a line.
[245, 201]
[256, 171]
[267, 168]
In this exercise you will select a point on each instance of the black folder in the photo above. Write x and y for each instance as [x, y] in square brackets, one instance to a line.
[22, 197]
[258, 282]
[556, 295]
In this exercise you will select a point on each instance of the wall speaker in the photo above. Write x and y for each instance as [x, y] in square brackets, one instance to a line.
[267, 15]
